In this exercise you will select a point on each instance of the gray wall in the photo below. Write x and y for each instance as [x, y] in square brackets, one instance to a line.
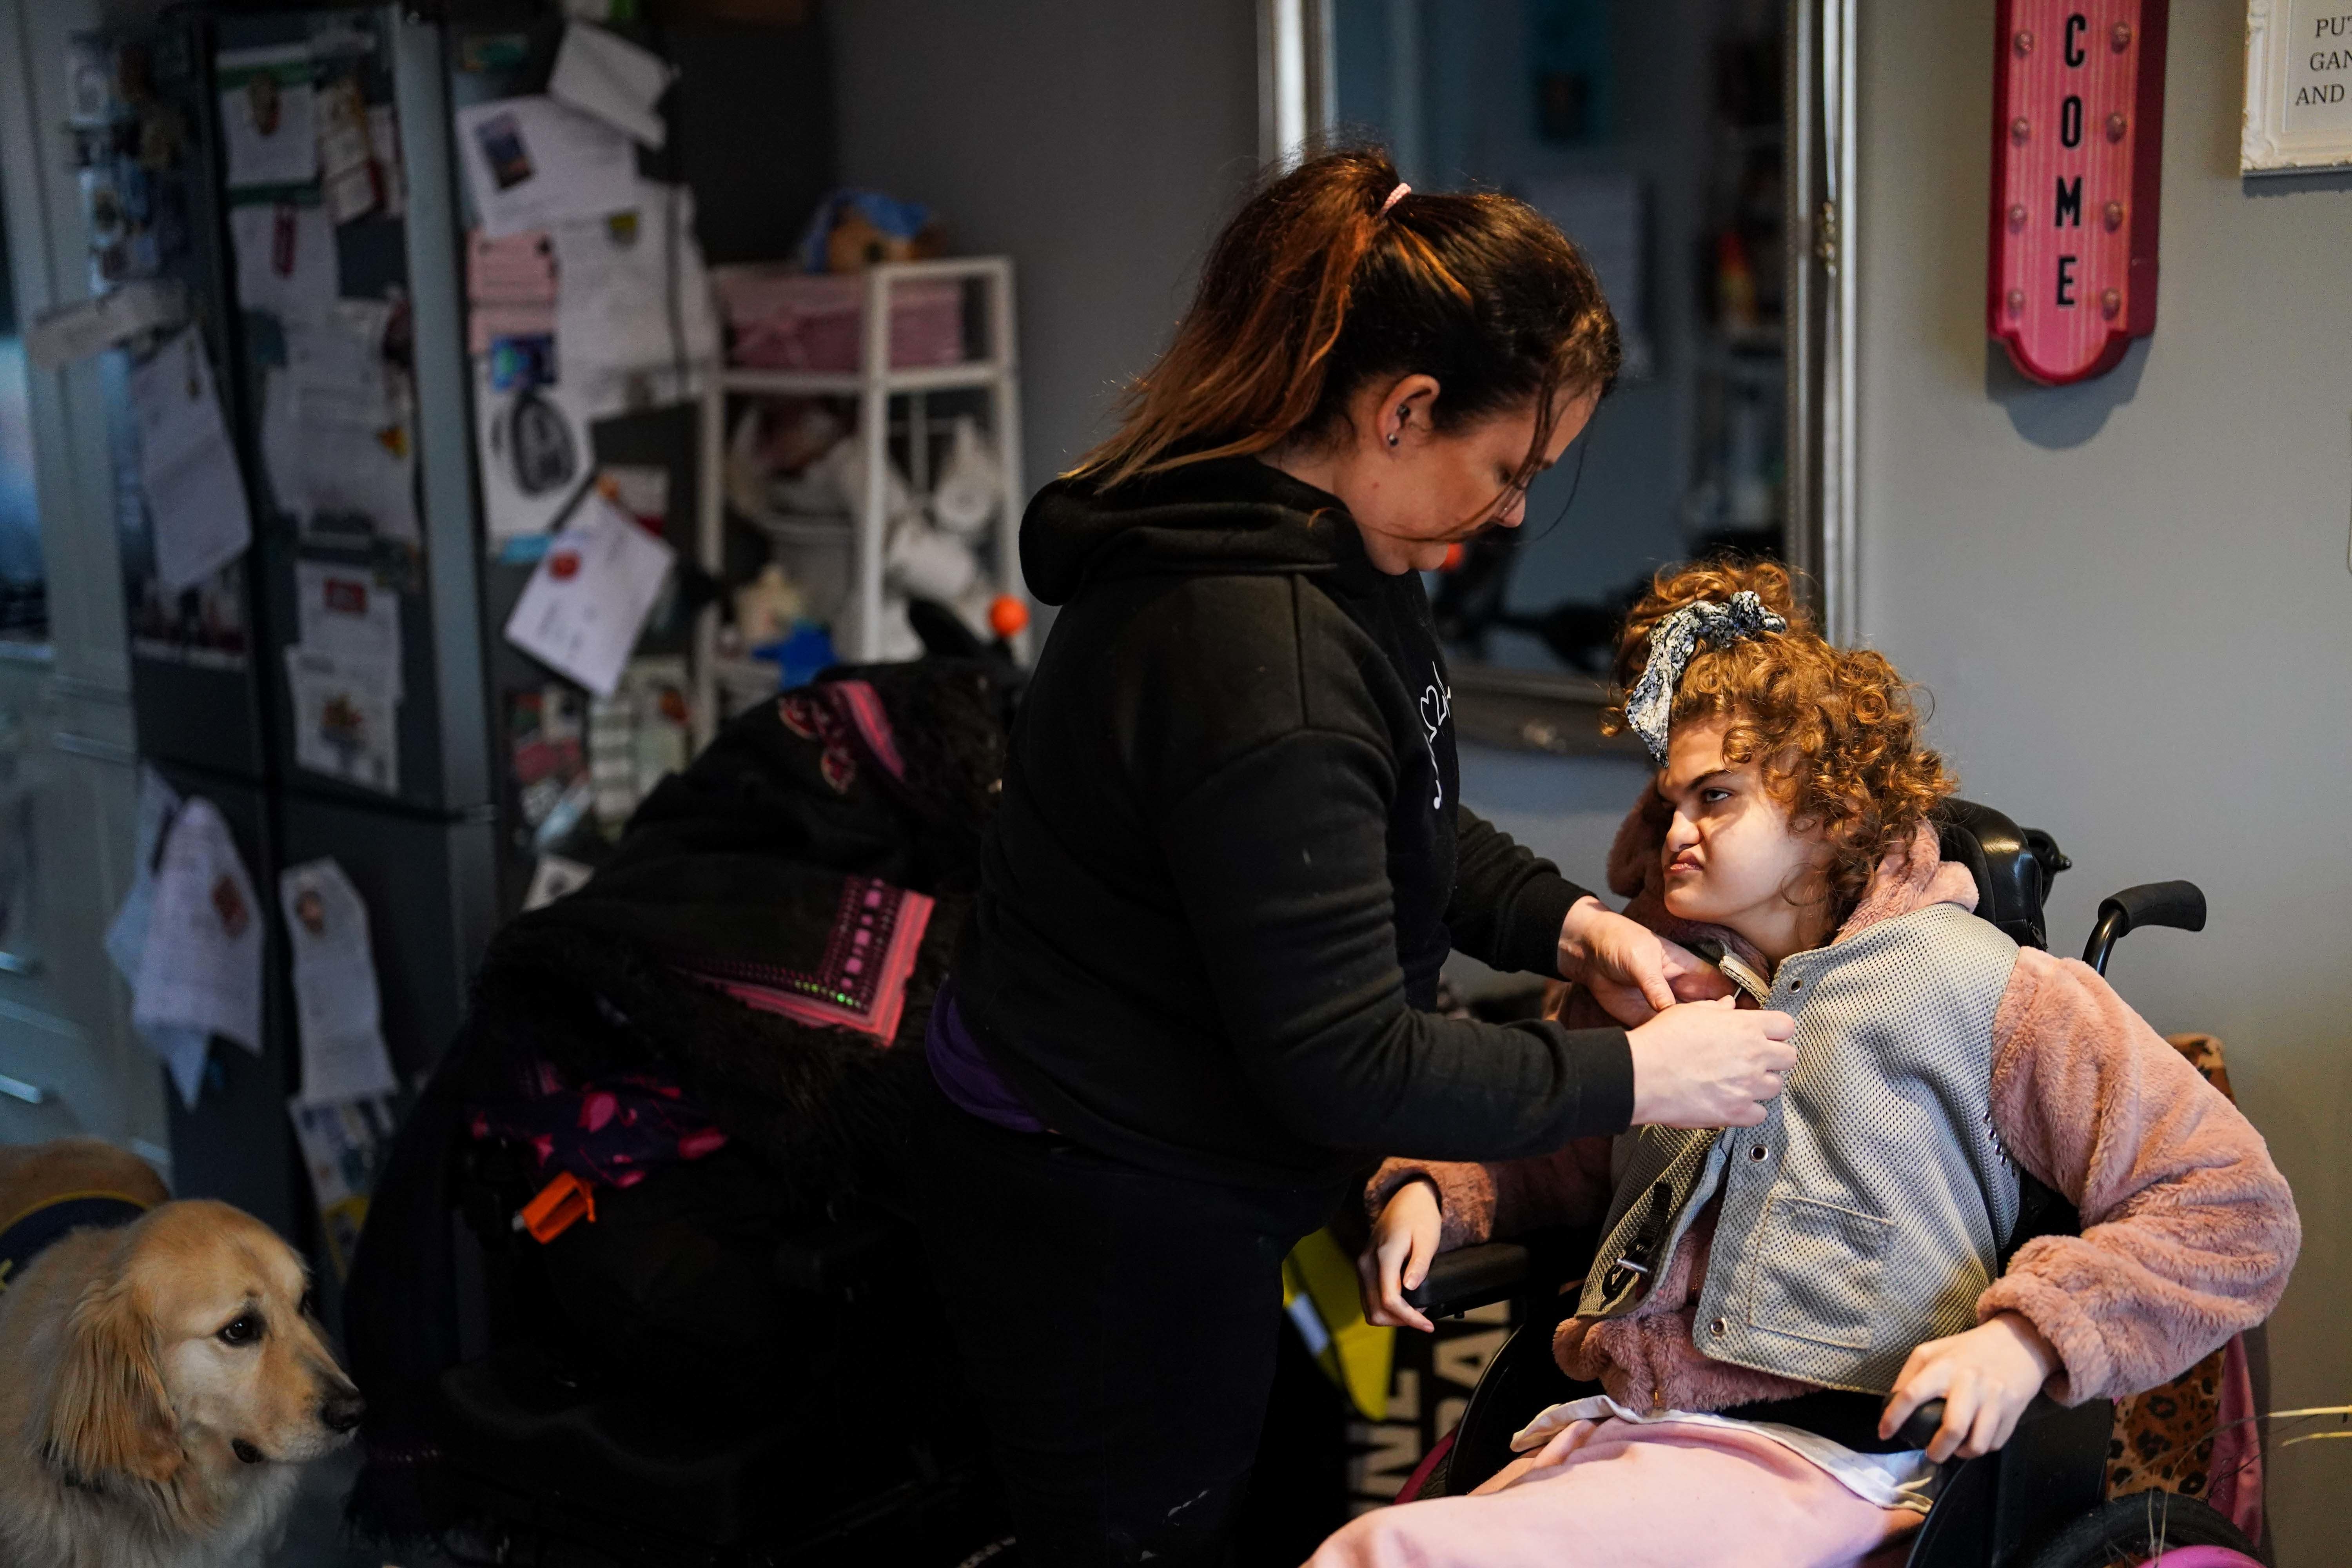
[1099, 146]
[2131, 602]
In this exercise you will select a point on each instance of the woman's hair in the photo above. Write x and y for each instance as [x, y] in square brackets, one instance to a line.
[1320, 283]
[1835, 731]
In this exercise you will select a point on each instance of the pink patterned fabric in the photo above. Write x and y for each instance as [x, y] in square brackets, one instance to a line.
[861, 982]
[1615, 1494]
[833, 711]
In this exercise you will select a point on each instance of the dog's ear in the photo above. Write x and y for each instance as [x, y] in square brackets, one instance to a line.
[109, 1414]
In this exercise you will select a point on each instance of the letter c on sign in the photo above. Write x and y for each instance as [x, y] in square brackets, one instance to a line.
[2076, 25]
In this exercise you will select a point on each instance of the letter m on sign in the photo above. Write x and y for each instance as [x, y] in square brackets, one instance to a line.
[2070, 202]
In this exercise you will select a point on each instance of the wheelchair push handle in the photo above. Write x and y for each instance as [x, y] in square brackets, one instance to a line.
[2180, 905]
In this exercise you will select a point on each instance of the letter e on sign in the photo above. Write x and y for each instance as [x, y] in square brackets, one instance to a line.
[2077, 112]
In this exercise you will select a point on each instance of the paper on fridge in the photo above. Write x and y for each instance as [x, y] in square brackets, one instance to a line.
[195, 495]
[286, 264]
[346, 718]
[126, 934]
[531, 161]
[348, 184]
[268, 115]
[533, 447]
[383, 145]
[200, 968]
[182, 1047]
[634, 308]
[602, 74]
[64, 333]
[587, 601]
[343, 614]
[346, 1147]
[337, 1011]
[335, 424]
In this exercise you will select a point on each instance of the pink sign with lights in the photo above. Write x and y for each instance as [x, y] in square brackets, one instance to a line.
[2077, 164]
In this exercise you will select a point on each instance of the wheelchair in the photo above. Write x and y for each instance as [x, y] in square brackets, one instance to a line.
[2039, 1501]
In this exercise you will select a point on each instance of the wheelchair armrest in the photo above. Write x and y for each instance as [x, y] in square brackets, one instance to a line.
[1471, 1277]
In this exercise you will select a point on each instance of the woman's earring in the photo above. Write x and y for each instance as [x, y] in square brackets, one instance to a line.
[1392, 440]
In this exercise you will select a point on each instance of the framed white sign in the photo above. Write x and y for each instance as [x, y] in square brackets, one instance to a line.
[2298, 87]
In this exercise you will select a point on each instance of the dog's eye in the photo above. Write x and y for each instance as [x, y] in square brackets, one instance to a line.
[243, 1330]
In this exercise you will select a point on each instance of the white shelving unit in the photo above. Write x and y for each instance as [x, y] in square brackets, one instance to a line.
[875, 385]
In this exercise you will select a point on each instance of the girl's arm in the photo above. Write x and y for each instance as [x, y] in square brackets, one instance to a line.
[1423, 1207]
[2189, 1230]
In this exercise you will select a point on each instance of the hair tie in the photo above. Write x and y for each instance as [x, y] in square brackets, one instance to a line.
[1401, 191]
[1648, 708]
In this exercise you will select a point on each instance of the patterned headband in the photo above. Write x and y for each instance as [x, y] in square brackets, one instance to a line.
[1648, 708]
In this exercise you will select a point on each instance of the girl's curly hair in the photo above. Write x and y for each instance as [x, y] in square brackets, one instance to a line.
[1835, 730]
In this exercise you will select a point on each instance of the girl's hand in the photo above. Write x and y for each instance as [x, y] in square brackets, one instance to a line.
[1632, 972]
[1985, 1377]
[1404, 1238]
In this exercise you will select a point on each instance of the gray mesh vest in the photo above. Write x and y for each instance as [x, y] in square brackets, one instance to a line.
[1868, 1212]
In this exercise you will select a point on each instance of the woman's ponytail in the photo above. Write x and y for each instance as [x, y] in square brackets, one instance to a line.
[1322, 281]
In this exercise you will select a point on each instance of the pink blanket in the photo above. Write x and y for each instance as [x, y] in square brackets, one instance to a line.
[1613, 1494]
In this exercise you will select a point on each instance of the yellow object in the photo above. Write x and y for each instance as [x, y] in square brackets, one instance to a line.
[1320, 1295]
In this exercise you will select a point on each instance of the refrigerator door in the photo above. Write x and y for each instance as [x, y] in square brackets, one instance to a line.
[368, 559]
[196, 688]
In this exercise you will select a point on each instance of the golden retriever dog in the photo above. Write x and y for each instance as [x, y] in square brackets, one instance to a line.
[161, 1383]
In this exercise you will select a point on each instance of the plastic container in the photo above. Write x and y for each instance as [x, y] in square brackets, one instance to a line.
[778, 319]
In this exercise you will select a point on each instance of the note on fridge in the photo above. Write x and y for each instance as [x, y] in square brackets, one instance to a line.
[195, 494]
[531, 161]
[384, 142]
[126, 934]
[268, 115]
[534, 449]
[79, 328]
[286, 264]
[346, 718]
[617, 327]
[343, 614]
[603, 74]
[200, 969]
[587, 600]
[337, 1011]
[336, 428]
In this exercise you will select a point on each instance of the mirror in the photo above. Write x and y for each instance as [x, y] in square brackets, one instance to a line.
[1657, 136]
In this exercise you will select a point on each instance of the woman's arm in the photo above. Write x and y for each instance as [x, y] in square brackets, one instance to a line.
[1280, 861]
[1508, 903]
[1512, 910]
[2189, 1230]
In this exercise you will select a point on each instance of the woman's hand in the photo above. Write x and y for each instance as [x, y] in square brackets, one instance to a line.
[1632, 972]
[1985, 1377]
[1404, 1238]
[1709, 1064]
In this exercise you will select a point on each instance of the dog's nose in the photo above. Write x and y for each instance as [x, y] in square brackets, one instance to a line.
[341, 1412]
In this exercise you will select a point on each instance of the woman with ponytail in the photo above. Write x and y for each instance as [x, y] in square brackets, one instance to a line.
[1192, 1004]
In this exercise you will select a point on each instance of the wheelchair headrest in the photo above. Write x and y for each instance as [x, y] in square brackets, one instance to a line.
[2012, 866]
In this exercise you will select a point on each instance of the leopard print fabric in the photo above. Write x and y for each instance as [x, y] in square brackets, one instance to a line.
[2163, 1439]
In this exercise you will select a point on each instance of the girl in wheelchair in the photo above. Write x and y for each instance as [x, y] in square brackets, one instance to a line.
[1769, 1302]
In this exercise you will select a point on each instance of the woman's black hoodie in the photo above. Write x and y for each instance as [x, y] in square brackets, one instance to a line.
[1230, 859]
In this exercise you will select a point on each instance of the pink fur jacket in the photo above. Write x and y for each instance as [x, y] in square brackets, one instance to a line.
[2188, 1234]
